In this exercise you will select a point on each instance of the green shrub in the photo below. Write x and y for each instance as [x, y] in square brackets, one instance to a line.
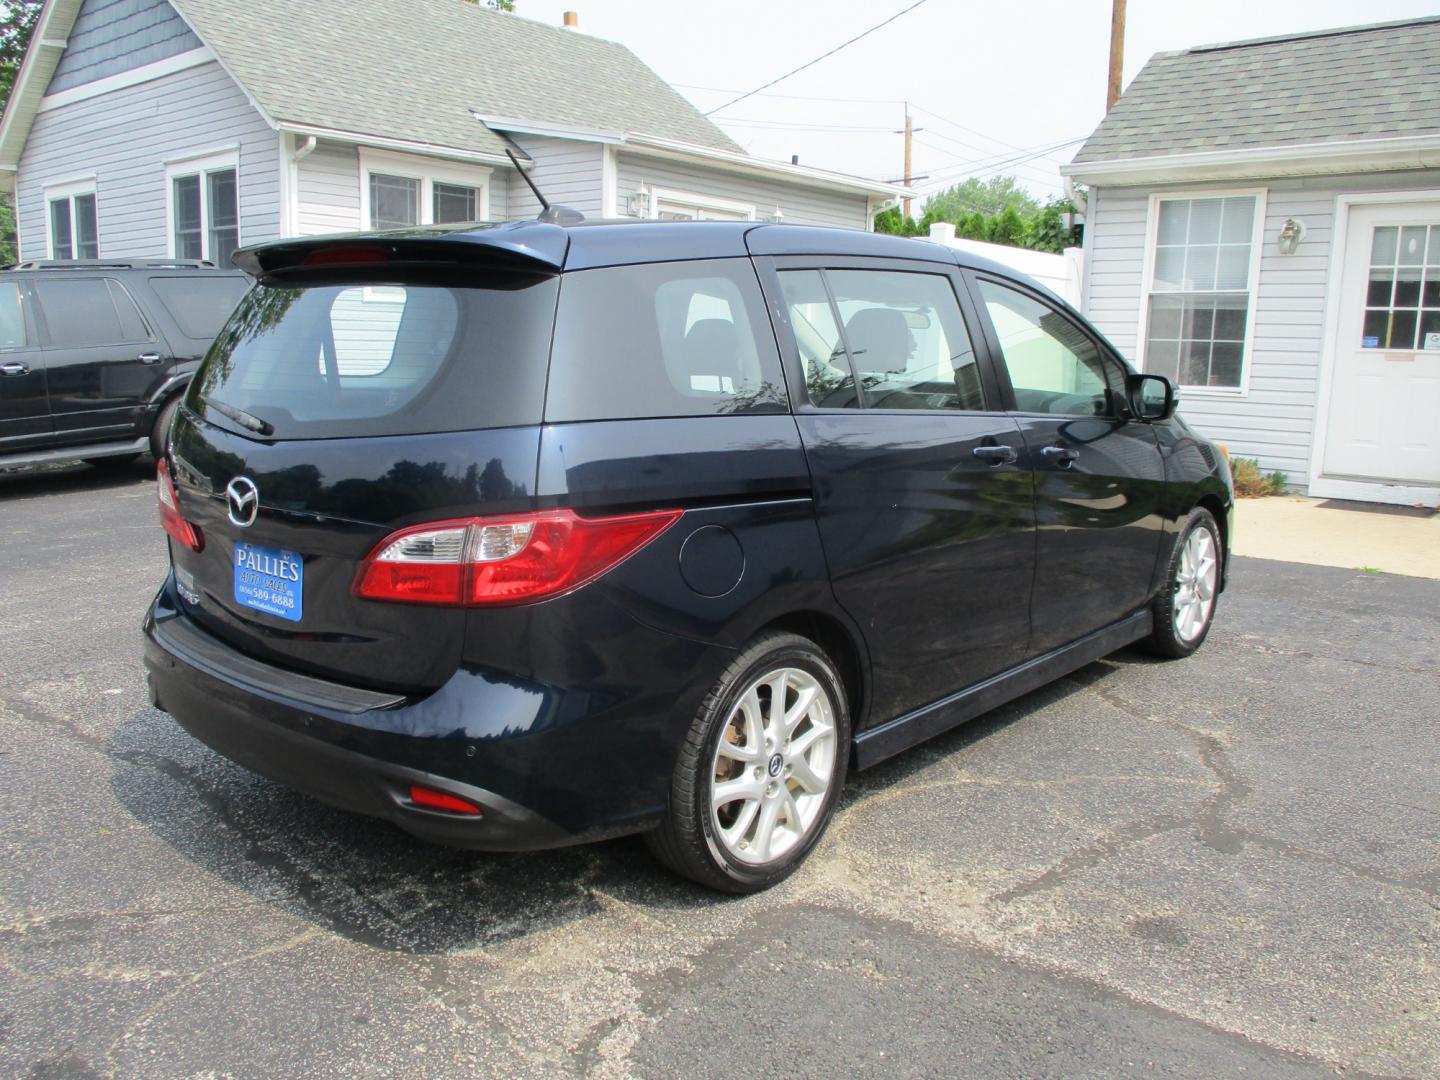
[1251, 483]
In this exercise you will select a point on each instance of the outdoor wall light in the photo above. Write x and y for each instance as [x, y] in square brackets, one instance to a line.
[776, 218]
[1291, 233]
[639, 204]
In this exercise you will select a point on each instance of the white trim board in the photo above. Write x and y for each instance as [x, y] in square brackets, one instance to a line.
[134, 77]
[1320, 485]
[1253, 162]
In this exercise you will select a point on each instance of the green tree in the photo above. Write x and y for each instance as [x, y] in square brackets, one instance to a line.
[989, 197]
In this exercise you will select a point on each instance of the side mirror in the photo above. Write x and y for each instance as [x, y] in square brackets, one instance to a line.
[1152, 397]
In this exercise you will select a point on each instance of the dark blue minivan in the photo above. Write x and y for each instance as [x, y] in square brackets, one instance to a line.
[532, 534]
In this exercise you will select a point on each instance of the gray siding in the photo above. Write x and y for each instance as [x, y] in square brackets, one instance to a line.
[111, 36]
[567, 172]
[800, 205]
[1274, 420]
[125, 138]
[328, 188]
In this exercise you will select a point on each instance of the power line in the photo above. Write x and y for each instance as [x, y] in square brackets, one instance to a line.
[982, 169]
[824, 56]
[1039, 174]
[793, 97]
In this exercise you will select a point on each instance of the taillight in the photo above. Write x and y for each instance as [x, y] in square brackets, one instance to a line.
[170, 518]
[500, 561]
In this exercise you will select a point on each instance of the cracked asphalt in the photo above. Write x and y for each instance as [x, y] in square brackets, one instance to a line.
[1225, 865]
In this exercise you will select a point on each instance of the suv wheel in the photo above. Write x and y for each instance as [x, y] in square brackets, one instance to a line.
[1186, 605]
[761, 770]
[160, 433]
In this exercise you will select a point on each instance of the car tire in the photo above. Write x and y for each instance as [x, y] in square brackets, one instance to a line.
[1185, 606]
[160, 433]
[786, 770]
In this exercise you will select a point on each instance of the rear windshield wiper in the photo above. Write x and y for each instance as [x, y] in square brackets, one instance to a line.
[240, 416]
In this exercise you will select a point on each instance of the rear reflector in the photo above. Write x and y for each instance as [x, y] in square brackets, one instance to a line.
[496, 562]
[170, 518]
[431, 799]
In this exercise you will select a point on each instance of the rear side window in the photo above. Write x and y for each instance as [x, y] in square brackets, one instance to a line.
[80, 312]
[663, 339]
[200, 305]
[334, 361]
[12, 317]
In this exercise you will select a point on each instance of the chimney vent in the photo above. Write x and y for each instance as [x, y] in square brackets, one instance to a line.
[794, 159]
[572, 20]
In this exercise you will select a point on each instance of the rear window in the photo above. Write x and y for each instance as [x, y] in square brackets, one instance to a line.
[200, 305]
[663, 339]
[334, 361]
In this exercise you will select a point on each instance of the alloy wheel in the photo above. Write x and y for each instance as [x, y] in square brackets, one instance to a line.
[1195, 580]
[774, 763]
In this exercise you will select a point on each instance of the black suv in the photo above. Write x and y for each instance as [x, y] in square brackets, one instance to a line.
[525, 535]
[94, 355]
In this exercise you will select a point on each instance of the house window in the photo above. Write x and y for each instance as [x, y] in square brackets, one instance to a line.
[204, 208]
[1402, 300]
[403, 190]
[1201, 290]
[74, 233]
[683, 206]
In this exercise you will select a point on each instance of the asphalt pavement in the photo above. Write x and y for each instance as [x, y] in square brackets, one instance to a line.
[1223, 866]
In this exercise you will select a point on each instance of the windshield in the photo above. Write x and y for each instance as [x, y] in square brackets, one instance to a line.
[333, 361]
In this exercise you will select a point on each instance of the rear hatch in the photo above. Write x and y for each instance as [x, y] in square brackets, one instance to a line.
[340, 405]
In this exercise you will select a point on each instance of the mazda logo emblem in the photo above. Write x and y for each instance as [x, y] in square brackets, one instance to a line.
[242, 500]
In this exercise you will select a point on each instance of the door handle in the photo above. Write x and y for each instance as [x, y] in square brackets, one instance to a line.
[149, 358]
[1063, 456]
[14, 368]
[996, 455]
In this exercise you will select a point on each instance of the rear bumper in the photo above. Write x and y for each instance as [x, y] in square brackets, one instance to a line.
[353, 749]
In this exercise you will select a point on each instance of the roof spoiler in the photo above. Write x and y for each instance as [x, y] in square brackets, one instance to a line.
[521, 246]
[556, 215]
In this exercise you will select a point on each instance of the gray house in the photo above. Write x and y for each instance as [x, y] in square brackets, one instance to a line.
[185, 128]
[1264, 227]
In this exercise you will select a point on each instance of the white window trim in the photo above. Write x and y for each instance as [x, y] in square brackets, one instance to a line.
[68, 189]
[704, 202]
[201, 164]
[1257, 254]
[427, 171]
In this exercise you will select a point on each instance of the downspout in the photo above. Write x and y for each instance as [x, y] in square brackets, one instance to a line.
[304, 150]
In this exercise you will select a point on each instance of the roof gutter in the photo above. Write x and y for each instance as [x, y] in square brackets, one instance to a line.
[742, 162]
[383, 142]
[654, 146]
[1252, 162]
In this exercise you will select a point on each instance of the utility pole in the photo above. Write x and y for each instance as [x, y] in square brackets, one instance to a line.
[1117, 52]
[908, 133]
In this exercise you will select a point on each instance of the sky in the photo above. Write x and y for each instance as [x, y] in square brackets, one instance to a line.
[991, 86]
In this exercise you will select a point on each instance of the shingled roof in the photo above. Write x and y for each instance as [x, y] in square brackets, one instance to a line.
[1331, 86]
[396, 68]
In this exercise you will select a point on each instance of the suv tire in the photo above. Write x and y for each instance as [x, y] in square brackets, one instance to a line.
[164, 420]
[1185, 607]
[785, 767]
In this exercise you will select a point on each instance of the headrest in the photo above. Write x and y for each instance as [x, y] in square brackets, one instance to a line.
[712, 347]
[880, 338]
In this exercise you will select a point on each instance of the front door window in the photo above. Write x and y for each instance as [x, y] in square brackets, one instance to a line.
[1402, 299]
